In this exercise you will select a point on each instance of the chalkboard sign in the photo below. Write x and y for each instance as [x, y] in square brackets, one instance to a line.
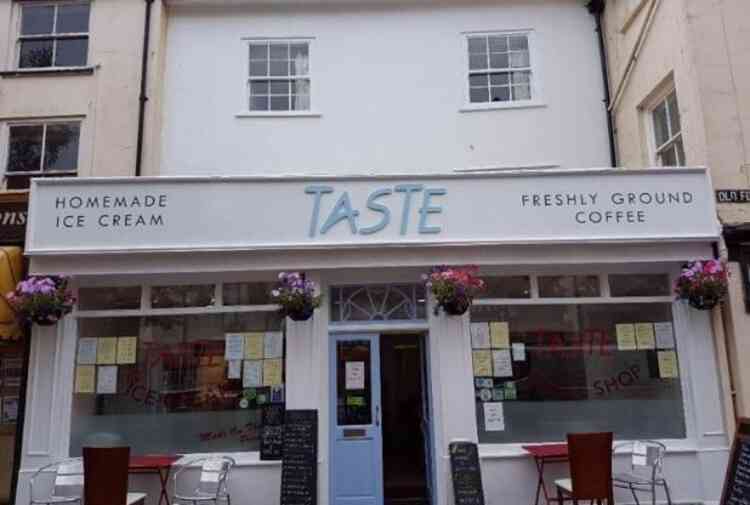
[299, 466]
[466, 474]
[737, 481]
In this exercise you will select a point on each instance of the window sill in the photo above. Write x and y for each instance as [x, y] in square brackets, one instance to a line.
[35, 72]
[291, 113]
[501, 106]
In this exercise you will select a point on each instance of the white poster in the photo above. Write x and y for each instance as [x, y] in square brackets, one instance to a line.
[234, 348]
[273, 345]
[664, 335]
[502, 364]
[106, 380]
[355, 375]
[480, 335]
[494, 418]
[86, 351]
[519, 351]
[252, 374]
[235, 369]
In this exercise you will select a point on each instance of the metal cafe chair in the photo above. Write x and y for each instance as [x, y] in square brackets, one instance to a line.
[57, 483]
[212, 485]
[646, 467]
[590, 456]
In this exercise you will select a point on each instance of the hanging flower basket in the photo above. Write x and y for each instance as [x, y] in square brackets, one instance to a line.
[454, 288]
[703, 284]
[41, 300]
[296, 296]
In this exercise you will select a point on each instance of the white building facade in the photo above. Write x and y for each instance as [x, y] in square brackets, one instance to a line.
[364, 144]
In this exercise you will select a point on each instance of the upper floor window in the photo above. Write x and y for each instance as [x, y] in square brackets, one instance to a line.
[499, 68]
[53, 35]
[667, 132]
[279, 75]
[41, 149]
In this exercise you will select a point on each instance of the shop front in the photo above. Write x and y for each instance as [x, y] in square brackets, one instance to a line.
[174, 346]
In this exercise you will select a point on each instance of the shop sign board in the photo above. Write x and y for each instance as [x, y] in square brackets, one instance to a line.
[13, 216]
[255, 213]
[733, 196]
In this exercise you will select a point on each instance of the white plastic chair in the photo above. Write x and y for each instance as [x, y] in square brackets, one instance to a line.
[66, 485]
[646, 465]
[212, 485]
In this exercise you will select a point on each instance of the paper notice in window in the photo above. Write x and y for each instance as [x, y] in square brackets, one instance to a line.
[480, 335]
[499, 335]
[252, 374]
[106, 351]
[273, 345]
[234, 369]
[355, 375]
[519, 351]
[254, 343]
[644, 336]
[502, 364]
[126, 350]
[510, 391]
[664, 335]
[626, 337]
[482, 361]
[85, 379]
[668, 365]
[86, 351]
[234, 346]
[494, 418]
[272, 372]
[106, 380]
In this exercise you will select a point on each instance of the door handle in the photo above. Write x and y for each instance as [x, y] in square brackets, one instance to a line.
[377, 415]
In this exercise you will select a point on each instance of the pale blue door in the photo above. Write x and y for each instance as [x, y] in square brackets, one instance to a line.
[356, 439]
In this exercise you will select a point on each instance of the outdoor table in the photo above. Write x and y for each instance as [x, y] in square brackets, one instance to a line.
[543, 454]
[154, 464]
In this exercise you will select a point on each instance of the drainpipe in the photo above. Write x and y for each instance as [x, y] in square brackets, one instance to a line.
[596, 8]
[142, 97]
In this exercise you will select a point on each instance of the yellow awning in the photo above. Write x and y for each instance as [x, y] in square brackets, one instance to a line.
[11, 270]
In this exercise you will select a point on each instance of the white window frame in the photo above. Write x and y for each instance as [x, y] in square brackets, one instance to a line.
[674, 137]
[55, 36]
[534, 69]
[245, 110]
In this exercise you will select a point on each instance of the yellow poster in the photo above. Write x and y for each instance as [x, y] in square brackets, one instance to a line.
[106, 351]
[668, 365]
[126, 350]
[499, 335]
[272, 372]
[644, 336]
[85, 379]
[626, 337]
[482, 363]
[254, 345]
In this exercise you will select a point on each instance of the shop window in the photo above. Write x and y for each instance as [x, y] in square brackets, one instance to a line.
[639, 285]
[54, 34]
[499, 68]
[40, 150]
[168, 297]
[556, 369]
[518, 286]
[165, 384]
[387, 302]
[569, 286]
[109, 298]
[668, 132]
[279, 75]
[247, 293]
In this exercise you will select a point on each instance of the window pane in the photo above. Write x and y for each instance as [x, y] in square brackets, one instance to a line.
[518, 60]
[639, 285]
[500, 94]
[680, 152]
[575, 372]
[259, 87]
[517, 286]
[36, 53]
[500, 78]
[17, 181]
[300, 102]
[521, 77]
[566, 286]
[279, 51]
[299, 50]
[661, 129]
[37, 19]
[109, 298]
[477, 61]
[61, 149]
[477, 45]
[353, 406]
[301, 86]
[499, 61]
[177, 396]
[479, 80]
[519, 43]
[522, 92]
[25, 154]
[258, 68]
[163, 297]
[71, 52]
[668, 156]
[674, 114]
[247, 293]
[279, 103]
[259, 103]
[258, 51]
[72, 19]
[279, 68]
[499, 44]
[390, 302]
[279, 87]
[479, 95]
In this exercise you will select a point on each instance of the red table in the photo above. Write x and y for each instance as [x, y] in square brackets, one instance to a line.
[154, 464]
[543, 454]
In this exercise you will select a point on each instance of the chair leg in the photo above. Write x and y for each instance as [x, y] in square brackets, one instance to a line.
[635, 496]
[666, 491]
[560, 497]
[653, 493]
[229, 499]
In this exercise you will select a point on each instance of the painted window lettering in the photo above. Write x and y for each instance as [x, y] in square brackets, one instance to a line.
[378, 211]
